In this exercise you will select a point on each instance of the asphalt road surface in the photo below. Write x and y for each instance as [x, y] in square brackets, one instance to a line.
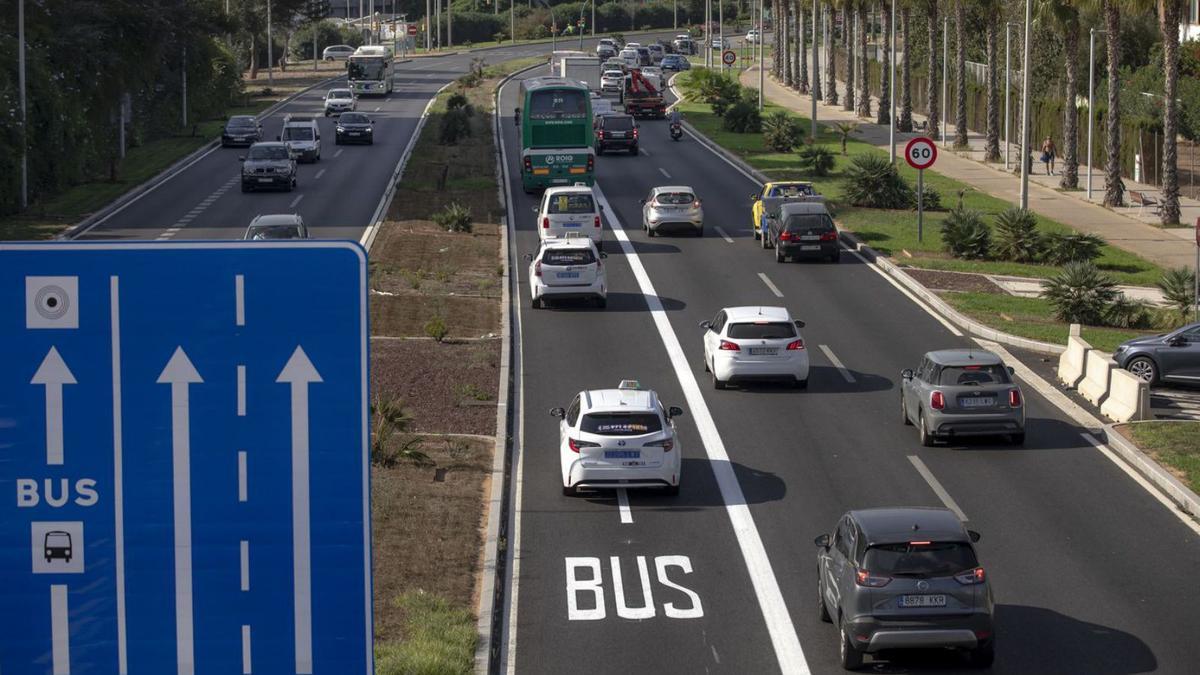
[1091, 573]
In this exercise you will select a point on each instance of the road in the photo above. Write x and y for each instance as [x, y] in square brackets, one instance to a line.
[1086, 565]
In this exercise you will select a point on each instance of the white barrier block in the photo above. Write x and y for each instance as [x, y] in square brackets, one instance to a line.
[1097, 367]
[1128, 397]
[1070, 362]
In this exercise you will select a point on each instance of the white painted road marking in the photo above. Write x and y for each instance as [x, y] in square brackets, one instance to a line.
[644, 151]
[937, 487]
[245, 556]
[242, 484]
[623, 506]
[239, 299]
[245, 650]
[377, 108]
[593, 585]
[837, 363]
[295, 201]
[339, 153]
[60, 630]
[319, 174]
[723, 234]
[784, 640]
[770, 285]
[664, 172]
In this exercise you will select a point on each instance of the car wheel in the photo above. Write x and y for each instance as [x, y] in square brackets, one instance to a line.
[904, 411]
[923, 431]
[570, 491]
[601, 303]
[822, 610]
[371, 141]
[700, 231]
[672, 491]
[1017, 439]
[766, 241]
[836, 257]
[717, 384]
[633, 150]
[536, 303]
[779, 256]
[757, 234]
[983, 656]
[337, 140]
[1143, 367]
[650, 232]
[851, 658]
[245, 188]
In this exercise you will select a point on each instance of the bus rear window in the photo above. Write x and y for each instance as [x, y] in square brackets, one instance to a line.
[558, 103]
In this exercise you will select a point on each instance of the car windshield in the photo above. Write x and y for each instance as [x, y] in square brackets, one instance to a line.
[268, 152]
[791, 191]
[241, 123]
[618, 123]
[339, 93]
[613, 73]
[565, 257]
[968, 376]
[260, 232]
[352, 118]
[297, 134]
[810, 223]
[675, 198]
[571, 203]
[762, 330]
[920, 560]
[621, 423]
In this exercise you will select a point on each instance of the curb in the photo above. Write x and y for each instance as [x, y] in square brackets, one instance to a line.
[1170, 486]
[135, 193]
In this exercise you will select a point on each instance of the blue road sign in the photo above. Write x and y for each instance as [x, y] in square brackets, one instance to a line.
[184, 467]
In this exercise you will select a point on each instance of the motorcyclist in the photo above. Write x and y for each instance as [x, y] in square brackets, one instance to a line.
[675, 126]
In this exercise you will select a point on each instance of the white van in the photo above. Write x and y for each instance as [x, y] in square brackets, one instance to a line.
[569, 211]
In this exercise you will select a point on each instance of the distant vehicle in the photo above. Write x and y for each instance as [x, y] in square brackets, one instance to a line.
[276, 226]
[672, 207]
[302, 137]
[655, 75]
[632, 45]
[268, 165]
[612, 81]
[57, 545]
[601, 106]
[569, 210]
[904, 578]
[369, 70]
[675, 62]
[720, 42]
[583, 69]
[644, 58]
[241, 130]
[684, 44]
[656, 53]
[1170, 357]
[615, 63]
[556, 133]
[607, 42]
[623, 437]
[755, 344]
[567, 269]
[557, 58]
[803, 230]
[354, 127]
[630, 57]
[337, 52]
[606, 51]
[642, 97]
[957, 393]
[752, 35]
[619, 132]
[775, 189]
[338, 101]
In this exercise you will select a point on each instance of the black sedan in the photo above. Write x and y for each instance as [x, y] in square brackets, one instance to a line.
[1171, 357]
[243, 130]
[354, 127]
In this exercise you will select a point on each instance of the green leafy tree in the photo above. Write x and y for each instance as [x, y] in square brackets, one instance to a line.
[1178, 289]
[1064, 16]
[781, 132]
[1169, 12]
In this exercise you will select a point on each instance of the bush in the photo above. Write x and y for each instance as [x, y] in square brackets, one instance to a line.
[965, 235]
[1060, 249]
[932, 200]
[1128, 313]
[458, 101]
[1017, 236]
[781, 132]
[436, 329]
[456, 124]
[710, 86]
[742, 117]
[872, 181]
[454, 218]
[1177, 286]
[1081, 293]
[816, 160]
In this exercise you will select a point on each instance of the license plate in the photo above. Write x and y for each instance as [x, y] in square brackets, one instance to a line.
[265, 180]
[764, 351]
[977, 401]
[810, 237]
[572, 224]
[618, 134]
[567, 275]
[353, 133]
[810, 247]
[922, 601]
[622, 454]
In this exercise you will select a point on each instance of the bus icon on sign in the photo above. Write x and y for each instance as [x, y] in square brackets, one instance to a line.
[57, 546]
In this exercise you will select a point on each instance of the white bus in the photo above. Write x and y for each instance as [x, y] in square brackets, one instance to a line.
[369, 70]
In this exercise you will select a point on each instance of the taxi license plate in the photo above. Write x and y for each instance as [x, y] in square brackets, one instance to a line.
[622, 454]
[811, 247]
[764, 351]
[922, 601]
[572, 224]
[265, 180]
[567, 275]
[977, 401]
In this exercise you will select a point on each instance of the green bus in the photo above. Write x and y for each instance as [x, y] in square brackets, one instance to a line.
[556, 133]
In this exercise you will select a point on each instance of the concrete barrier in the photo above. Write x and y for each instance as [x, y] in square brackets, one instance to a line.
[1097, 367]
[1128, 397]
[1070, 362]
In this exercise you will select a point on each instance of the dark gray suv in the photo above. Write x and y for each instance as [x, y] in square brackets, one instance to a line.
[904, 578]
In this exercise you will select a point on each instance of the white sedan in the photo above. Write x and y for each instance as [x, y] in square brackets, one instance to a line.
[338, 101]
[612, 81]
[754, 344]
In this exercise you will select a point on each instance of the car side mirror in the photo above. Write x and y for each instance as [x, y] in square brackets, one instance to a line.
[907, 373]
[1177, 341]
[674, 411]
[279, 138]
[706, 325]
[528, 257]
[534, 209]
[559, 413]
[242, 158]
[822, 541]
[799, 323]
[643, 201]
[603, 254]
[975, 536]
[1011, 371]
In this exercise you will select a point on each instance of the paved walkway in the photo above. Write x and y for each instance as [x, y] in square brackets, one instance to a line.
[1125, 228]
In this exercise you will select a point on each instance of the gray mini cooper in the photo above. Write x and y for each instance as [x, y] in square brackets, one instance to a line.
[904, 578]
[956, 393]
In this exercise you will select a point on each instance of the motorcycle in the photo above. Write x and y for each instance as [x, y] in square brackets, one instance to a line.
[676, 131]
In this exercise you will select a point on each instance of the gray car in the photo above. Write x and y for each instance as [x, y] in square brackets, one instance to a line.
[956, 393]
[904, 578]
[1172, 357]
[276, 226]
[672, 207]
[268, 165]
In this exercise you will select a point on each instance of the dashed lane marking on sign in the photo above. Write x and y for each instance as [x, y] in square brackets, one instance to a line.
[242, 483]
[239, 299]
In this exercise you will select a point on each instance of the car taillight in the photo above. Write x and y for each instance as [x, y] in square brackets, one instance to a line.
[937, 400]
[545, 223]
[576, 445]
[1014, 398]
[537, 268]
[528, 165]
[865, 578]
[785, 236]
[666, 444]
[728, 346]
[829, 236]
[635, 134]
[795, 344]
[596, 222]
[971, 577]
[591, 165]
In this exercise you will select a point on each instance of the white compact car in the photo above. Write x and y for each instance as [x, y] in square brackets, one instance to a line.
[338, 101]
[618, 438]
[754, 344]
[569, 209]
[567, 269]
[612, 81]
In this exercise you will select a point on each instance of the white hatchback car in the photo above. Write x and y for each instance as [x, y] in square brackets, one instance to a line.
[618, 438]
[338, 101]
[567, 269]
[612, 81]
[754, 343]
[569, 209]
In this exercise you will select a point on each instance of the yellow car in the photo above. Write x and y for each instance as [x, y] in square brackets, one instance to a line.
[776, 189]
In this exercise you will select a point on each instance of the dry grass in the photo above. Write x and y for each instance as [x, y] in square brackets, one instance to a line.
[439, 383]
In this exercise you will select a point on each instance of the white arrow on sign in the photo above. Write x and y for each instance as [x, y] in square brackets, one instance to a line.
[53, 373]
[299, 372]
[180, 373]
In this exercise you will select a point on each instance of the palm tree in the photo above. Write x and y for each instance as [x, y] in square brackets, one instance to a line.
[816, 61]
[905, 121]
[800, 54]
[844, 129]
[848, 41]
[960, 76]
[931, 78]
[991, 10]
[1064, 15]
[831, 94]
[1114, 187]
[783, 38]
[885, 71]
[864, 79]
[1168, 12]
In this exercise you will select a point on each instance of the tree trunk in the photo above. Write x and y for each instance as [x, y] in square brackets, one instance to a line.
[1169, 26]
[991, 152]
[777, 62]
[885, 70]
[1070, 171]
[253, 58]
[783, 32]
[816, 56]
[831, 93]
[931, 74]
[851, 63]
[960, 76]
[1114, 187]
[800, 53]
[864, 71]
[905, 121]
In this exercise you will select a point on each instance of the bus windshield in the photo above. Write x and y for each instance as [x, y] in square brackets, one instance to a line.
[371, 69]
[558, 104]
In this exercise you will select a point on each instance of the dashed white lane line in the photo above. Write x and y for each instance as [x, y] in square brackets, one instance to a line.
[837, 363]
[623, 506]
[295, 201]
[246, 663]
[937, 487]
[239, 299]
[245, 559]
[724, 234]
[377, 108]
[773, 287]
[644, 151]
[241, 391]
[319, 174]
[664, 172]
[242, 483]
[338, 153]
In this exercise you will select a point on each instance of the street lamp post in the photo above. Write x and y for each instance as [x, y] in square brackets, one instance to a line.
[762, 4]
[270, 50]
[1007, 90]
[1024, 158]
[24, 120]
[945, 72]
[892, 86]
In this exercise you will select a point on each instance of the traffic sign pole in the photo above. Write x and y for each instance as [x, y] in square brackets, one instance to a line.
[920, 153]
[920, 204]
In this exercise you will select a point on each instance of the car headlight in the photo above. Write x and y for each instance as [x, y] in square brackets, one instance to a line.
[340, 130]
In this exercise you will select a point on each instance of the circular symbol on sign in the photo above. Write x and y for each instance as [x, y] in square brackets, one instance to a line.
[920, 153]
[728, 57]
[549, 159]
[52, 302]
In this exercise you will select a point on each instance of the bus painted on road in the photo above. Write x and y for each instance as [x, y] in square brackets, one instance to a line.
[556, 133]
[369, 70]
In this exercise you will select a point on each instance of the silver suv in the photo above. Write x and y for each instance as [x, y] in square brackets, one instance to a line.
[904, 578]
[962, 392]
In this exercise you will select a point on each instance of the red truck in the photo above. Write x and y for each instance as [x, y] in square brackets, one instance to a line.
[642, 99]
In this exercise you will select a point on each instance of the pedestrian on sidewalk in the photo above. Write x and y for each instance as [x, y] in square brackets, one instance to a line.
[1049, 151]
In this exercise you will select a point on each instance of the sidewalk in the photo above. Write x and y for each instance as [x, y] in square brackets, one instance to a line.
[1124, 228]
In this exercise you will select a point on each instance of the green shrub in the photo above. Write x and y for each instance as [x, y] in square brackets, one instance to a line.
[454, 218]
[719, 106]
[456, 125]
[816, 160]
[459, 101]
[965, 235]
[1080, 293]
[781, 132]
[436, 329]
[1060, 249]
[1178, 289]
[1128, 313]
[743, 118]
[1017, 236]
[872, 181]
[932, 200]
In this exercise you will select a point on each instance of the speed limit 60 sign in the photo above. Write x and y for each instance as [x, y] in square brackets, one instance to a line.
[920, 152]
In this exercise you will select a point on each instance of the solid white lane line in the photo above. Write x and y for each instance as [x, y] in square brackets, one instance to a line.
[319, 174]
[623, 506]
[723, 234]
[295, 201]
[114, 295]
[664, 172]
[242, 487]
[1137, 477]
[786, 643]
[246, 650]
[937, 487]
[241, 391]
[339, 153]
[773, 287]
[239, 299]
[245, 555]
[837, 363]
[60, 630]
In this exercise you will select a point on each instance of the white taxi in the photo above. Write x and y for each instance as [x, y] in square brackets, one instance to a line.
[569, 268]
[569, 211]
[753, 344]
[618, 438]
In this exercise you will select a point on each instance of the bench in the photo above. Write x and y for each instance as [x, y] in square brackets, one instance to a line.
[1142, 200]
